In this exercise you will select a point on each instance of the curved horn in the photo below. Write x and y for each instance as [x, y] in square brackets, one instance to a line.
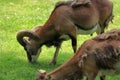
[26, 33]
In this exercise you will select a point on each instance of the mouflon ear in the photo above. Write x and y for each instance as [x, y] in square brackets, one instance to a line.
[42, 72]
[41, 75]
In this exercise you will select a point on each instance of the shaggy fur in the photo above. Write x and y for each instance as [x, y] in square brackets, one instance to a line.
[93, 56]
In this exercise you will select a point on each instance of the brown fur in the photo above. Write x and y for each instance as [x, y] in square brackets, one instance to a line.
[104, 7]
[113, 35]
[90, 58]
[64, 20]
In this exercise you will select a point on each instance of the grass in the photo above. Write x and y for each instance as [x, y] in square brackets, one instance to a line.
[16, 15]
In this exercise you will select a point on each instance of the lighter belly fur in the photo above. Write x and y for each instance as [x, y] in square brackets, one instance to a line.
[83, 32]
[90, 31]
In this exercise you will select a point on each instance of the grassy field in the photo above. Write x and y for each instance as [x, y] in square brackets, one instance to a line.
[16, 15]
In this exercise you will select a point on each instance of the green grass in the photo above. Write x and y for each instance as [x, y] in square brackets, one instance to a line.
[16, 15]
